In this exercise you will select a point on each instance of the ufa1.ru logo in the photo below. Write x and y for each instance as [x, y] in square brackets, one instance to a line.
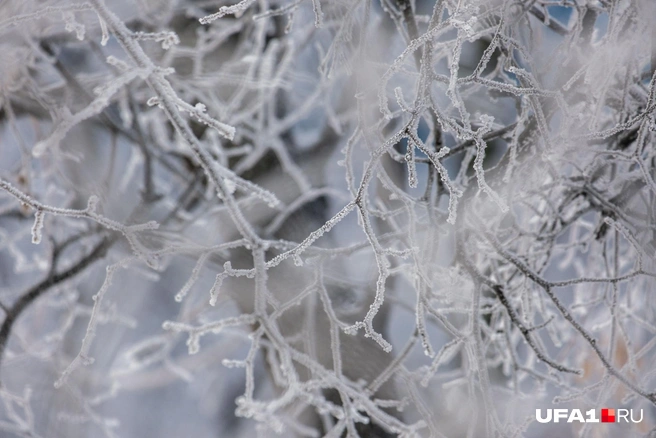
[576, 416]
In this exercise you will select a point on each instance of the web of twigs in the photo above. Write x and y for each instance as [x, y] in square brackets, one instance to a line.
[505, 197]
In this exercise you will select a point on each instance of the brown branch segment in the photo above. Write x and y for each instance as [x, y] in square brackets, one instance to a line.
[13, 312]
